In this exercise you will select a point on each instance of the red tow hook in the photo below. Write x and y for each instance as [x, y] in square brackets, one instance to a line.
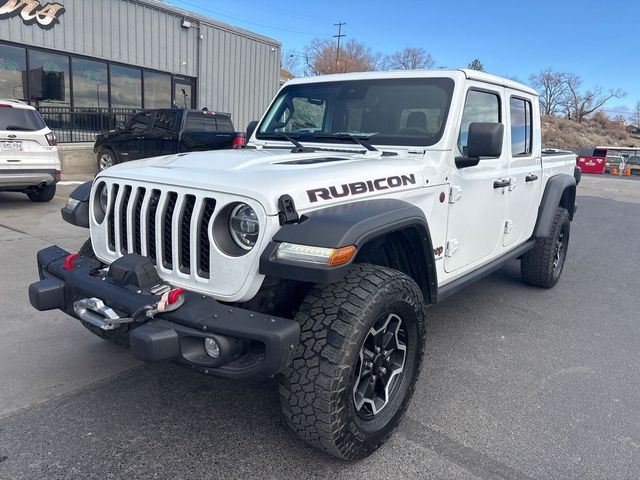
[174, 295]
[68, 262]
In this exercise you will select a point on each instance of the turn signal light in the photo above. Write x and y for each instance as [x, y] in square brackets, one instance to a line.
[343, 255]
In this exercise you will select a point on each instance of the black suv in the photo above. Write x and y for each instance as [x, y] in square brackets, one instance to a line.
[153, 133]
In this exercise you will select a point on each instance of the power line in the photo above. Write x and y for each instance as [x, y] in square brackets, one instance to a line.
[338, 36]
[220, 14]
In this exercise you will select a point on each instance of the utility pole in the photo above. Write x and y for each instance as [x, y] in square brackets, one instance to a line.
[338, 36]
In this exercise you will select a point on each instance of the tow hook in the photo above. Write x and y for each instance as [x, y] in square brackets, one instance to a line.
[95, 312]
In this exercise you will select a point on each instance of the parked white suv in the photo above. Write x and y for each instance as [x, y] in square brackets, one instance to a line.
[29, 160]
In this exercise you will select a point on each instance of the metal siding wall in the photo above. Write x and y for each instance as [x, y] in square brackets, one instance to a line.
[238, 74]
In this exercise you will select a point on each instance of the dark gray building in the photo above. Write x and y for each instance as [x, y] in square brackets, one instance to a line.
[76, 58]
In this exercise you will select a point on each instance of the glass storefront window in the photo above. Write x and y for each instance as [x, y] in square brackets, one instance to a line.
[48, 79]
[13, 66]
[90, 86]
[157, 90]
[126, 87]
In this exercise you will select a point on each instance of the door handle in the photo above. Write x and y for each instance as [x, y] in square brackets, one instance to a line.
[501, 183]
[140, 138]
[531, 178]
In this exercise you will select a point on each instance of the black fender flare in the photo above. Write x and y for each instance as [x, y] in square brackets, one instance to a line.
[560, 190]
[78, 214]
[351, 224]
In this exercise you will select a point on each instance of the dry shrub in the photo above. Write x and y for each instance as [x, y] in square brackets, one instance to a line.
[598, 130]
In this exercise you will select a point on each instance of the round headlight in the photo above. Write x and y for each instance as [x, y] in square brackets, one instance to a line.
[244, 226]
[103, 197]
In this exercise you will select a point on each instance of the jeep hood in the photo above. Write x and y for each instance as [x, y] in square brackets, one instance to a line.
[313, 180]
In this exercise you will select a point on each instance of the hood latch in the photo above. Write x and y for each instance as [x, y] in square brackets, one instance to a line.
[287, 210]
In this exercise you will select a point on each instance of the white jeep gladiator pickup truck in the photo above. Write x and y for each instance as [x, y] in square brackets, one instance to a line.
[312, 253]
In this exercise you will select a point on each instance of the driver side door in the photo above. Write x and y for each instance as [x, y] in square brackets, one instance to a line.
[477, 207]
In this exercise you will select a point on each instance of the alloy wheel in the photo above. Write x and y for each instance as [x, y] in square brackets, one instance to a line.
[380, 366]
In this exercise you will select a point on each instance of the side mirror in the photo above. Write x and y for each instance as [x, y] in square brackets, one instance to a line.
[485, 140]
[251, 128]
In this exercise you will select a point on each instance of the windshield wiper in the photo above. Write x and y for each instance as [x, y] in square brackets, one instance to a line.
[18, 128]
[359, 139]
[299, 148]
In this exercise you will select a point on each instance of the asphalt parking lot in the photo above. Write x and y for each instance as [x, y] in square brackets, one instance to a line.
[519, 383]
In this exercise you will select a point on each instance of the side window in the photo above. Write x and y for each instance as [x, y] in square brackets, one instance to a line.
[141, 122]
[165, 121]
[479, 107]
[521, 127]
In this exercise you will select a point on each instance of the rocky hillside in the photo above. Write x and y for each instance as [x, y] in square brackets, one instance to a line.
[569, 135]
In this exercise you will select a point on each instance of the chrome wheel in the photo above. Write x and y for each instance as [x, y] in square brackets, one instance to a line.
[380, 366]
[105, 160]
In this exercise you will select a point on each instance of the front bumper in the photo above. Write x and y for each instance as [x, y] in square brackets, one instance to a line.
[251, 344]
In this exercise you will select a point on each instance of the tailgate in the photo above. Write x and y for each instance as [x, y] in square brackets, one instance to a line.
[22, 149]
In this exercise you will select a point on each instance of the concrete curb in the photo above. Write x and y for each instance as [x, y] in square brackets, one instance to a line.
[78, 158]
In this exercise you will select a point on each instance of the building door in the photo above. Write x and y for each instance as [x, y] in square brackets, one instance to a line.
[183, 93]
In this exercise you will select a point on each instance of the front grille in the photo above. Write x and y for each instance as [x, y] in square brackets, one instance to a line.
[167, 221]
[169, 228]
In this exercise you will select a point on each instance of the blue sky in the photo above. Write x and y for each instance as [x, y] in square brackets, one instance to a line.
[598, 40]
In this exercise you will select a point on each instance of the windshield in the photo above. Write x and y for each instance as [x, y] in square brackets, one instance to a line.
[404, 112]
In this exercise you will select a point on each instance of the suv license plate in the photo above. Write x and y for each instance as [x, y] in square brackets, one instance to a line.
[10, 146]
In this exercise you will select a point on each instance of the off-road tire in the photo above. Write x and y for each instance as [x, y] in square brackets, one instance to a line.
[537, 266]
[316, 391]
[42, 194]
[120, 335]
[110, 159]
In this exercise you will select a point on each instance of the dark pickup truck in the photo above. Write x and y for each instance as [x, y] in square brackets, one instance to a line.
[153, 133]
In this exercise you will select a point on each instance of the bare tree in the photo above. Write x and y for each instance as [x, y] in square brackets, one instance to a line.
[581, 105]
[354, 57]
[476, 64]
[553, 90]
[290, 63]
[409, 58]
[635, 115]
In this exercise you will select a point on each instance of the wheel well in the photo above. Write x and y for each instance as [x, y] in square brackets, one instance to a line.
[568, 200]
[402, 250]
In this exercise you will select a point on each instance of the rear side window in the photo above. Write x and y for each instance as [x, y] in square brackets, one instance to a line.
[521, 127]
[206, 122]
[141, 122]
[165, 121]
[479, 107]
[20, 119]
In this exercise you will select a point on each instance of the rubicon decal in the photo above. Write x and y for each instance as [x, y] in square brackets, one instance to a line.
[357, 188]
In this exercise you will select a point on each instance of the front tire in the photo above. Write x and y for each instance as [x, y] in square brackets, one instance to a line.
[120, 335]
[106, 158]
[355, 370]
[543, 265]
[42, 194]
